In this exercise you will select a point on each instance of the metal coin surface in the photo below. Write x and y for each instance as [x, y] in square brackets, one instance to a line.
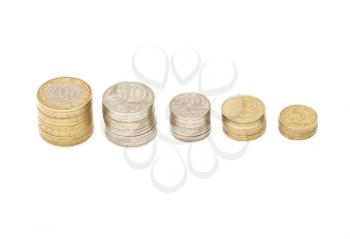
[243, 109]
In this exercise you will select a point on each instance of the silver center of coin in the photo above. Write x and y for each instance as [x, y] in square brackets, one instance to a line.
[64, 94]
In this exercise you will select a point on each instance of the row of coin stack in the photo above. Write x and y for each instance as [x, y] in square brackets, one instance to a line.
[65, 115]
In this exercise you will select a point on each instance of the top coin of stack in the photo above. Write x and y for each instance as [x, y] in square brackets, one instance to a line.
[128, 114]
[243, 117]
[298, 122]
[190, 117]
[65, 111]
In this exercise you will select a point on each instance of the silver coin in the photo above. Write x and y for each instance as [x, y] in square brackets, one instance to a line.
[190, 117]
[129, 114]
[128, 98]
[190, 106]
[191, 138]
[131, 141]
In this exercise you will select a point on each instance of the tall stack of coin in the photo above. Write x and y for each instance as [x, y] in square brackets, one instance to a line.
[128, 114]
[243, 117]
[190, 117]
[298, 122]
[65, 111]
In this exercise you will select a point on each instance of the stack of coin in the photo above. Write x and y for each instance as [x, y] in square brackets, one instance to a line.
[65, 111]
[190, 117]
[128, 114]
[243, 117]
[298, 122]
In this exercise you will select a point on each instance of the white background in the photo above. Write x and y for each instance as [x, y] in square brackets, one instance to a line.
[286, 52]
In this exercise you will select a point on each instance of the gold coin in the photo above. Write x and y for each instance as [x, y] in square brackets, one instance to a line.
[247, 126]
[66, 114]
[298, 117]
[64, 94]
[243, 109]
[296, 136]
[298, 122]
[244, 132]
[244, 137]
[290, 131]
[65, 122]
[59, 141]
[66, 131]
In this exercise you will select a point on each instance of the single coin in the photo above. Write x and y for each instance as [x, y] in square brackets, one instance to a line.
[132, 141]
[64, 94]
[59, 141]
[297, 136]
[244, 132]
[190, 106]
[298, 118]
[193, 131]
[66, 114]
[243, 109]
[128, 98]
[65, 122]
[128, 132]
[247, 126]
[244, 137]
[195, 138]
[66, 131]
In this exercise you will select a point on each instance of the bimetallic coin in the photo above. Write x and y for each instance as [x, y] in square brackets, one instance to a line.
[64, 94]
[65, 111]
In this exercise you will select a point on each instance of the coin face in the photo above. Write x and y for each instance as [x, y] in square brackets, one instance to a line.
[128, 98]
[64, 93]
[190, 105]
[298, 117]
[243, 109]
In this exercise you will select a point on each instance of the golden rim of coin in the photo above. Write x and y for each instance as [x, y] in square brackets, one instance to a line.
[298, 118]
[243, 109]
[64, 94]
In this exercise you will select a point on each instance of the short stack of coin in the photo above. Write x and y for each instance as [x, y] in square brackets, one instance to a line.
[243, 117]
[190, 117]
[298, 122]
[128, 114]
[65, 111]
